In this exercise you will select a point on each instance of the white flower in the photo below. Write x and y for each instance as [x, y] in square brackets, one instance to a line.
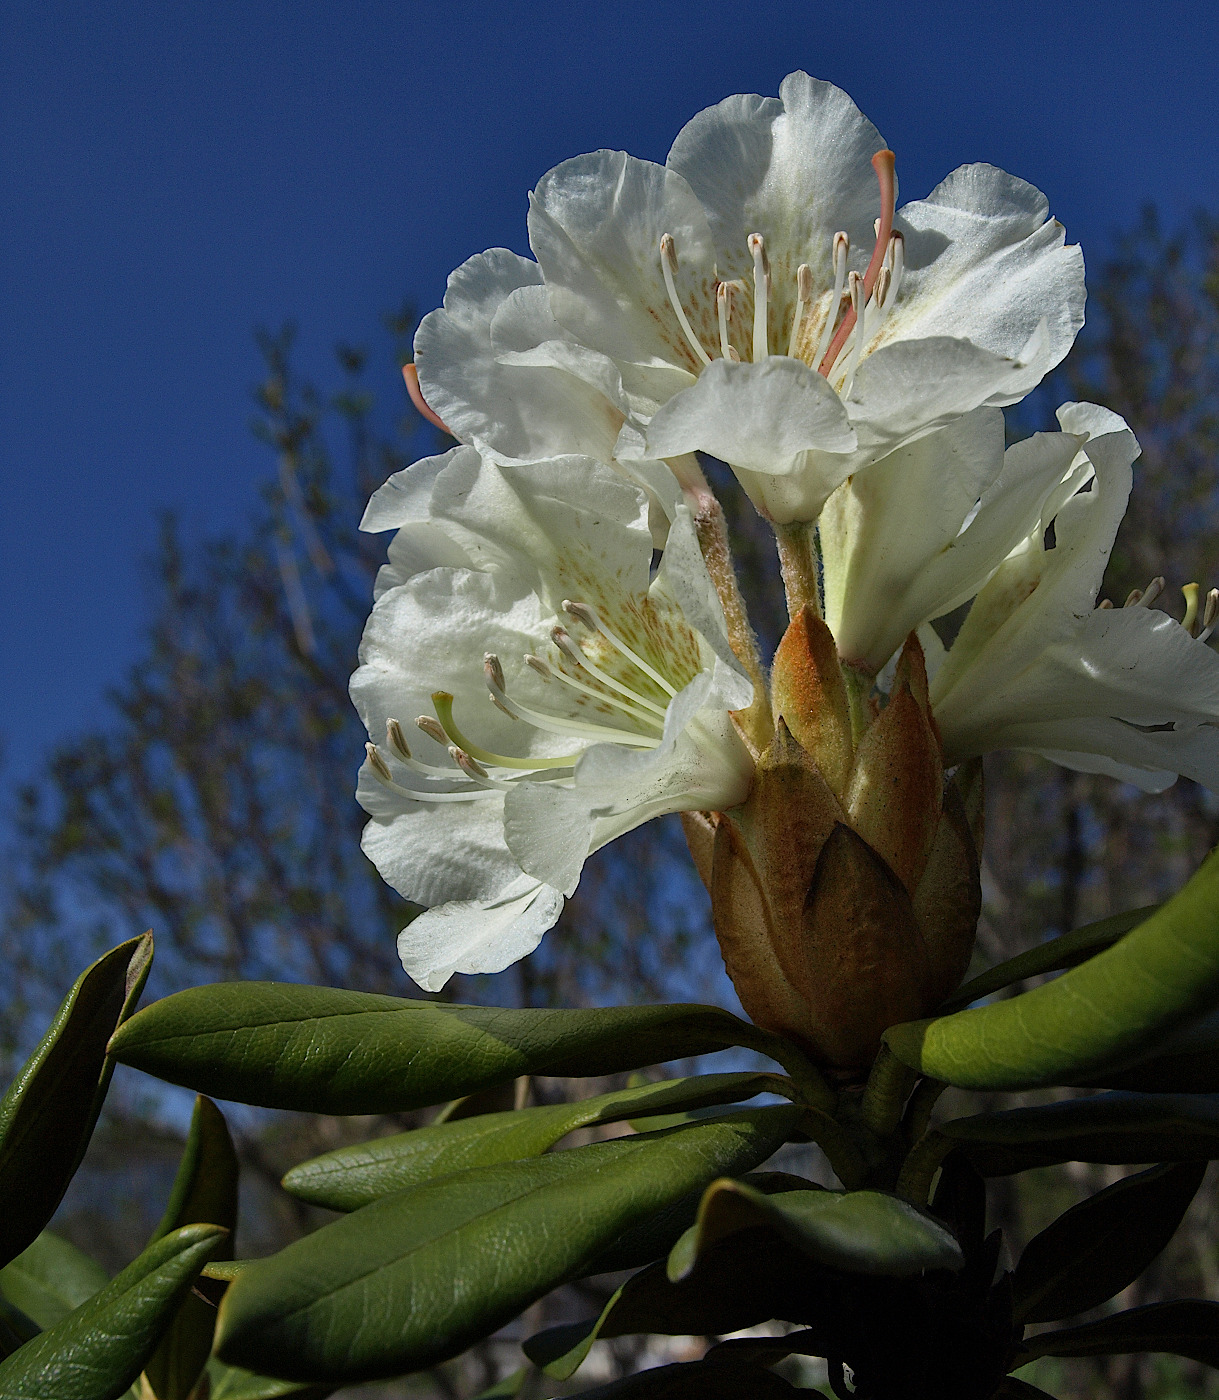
[715, 303]
[921, 531]
[566, 695]
[1037, 665]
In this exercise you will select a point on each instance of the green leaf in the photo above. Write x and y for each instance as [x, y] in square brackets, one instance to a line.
[99, 1349]
[862, 1232]
[49, 1112]
[1188, 1327]
[1186, 1063]
[507, 1388]
[232, 1383]
[1100, 1246]
[416, 1277]
[323, 1050]
[204, 1192]
[1114, 1128]
[351, 1177]
[50, 1278]
[697, 1380]
[1054, 955]
[748, 1278]
[1118, 1004]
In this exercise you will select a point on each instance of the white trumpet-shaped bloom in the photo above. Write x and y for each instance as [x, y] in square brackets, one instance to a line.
[759, 297]
[531, 690]
[1037, 665]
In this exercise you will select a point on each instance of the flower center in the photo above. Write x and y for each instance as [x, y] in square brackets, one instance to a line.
[1200, 615]
[856, 308]
[479, 772]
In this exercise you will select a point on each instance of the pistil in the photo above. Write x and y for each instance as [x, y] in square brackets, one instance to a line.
[883, 164]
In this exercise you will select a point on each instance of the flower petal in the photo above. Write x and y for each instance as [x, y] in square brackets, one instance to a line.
[520, 411]
[595, 225]
[986, 263]
[762, 420]
[476, 937]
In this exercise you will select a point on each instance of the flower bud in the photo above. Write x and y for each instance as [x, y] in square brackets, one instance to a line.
[845, 890]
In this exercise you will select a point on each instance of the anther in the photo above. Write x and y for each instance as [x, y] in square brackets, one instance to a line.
[543, 668]
[883, 163]
[723, 305]
[494, 674]
[668, 267]
[1209, 614]
[468, 765]
[396, 740]
[1105, 603]
[804, 294]
[432, 729]
[1152, 591]
[377, 763]
[761, 295]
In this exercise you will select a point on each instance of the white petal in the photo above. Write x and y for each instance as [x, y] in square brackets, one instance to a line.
[519, 410]
[406, 498]
[762, 420]
[475, 937]
[796, 169]
[911, 387]
[595, 225]
[986, 263]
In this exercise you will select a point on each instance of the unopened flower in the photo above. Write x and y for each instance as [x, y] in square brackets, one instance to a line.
[1038, 665]
[531, 692]
[845, 890]
[760, 298]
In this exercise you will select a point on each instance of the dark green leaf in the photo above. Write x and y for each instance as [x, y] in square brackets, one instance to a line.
[1100, 1246]
[50, 1278]
[414, 1278]
[1116, 1128]
[232, 1383]
[696, 1380]
[748, 1278]
[204, 1192]
[99, 1349]
[1054, 955]
[15, 1328]
[1118, 1004]
[864, 1232]
[1013, 1388]
[49, 1112]
[1186, 1063]
[323, 1050]
[1187, 1327]
[351, 1177]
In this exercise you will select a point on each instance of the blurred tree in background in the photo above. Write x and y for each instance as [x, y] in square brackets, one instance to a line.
[214, 801]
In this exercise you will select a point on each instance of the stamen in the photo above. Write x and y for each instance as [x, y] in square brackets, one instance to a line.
[381, 770]
[401, 751]
[1191, 607]
[494, 673]
[583, 613]
[1105, 603]
[723, 302]
[379, 765]
[858, 306]
[842, 246]
[411, 377]
[668, 266]
[1144, 597]
[883, 164]
[431, 729]
[568, 647]
[804, 294]
[1209, 615]
[761, 295]
[443, 703]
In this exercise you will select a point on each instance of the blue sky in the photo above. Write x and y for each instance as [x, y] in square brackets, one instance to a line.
[176, 173]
